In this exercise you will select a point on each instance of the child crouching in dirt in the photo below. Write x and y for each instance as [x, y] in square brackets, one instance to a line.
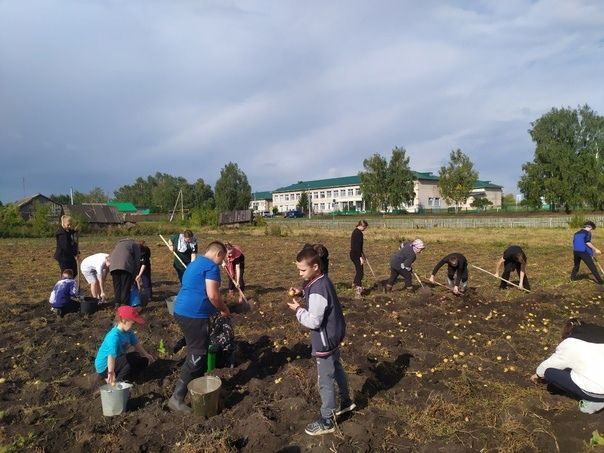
[327, 326]
[113, 361]
[60, 297]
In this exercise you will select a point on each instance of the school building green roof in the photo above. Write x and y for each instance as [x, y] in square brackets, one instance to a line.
[478, 184]
[343, 181]
[267, 195]
[122, 206]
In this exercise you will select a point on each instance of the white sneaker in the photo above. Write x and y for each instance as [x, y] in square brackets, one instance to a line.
[590, 407]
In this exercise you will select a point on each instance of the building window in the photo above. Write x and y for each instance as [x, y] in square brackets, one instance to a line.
[350, 192]
[297, 196]
[286, 197]
[322, 194]
[357, 191]
[316, 206]
[437, 202]
[430, 202]
[322, 206]
[328, 194]
[315, 195]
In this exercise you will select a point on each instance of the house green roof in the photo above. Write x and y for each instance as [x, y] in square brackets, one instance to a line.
[122, 206]
[267, 195]
[478, 184]
[356, 180]
[343, 181]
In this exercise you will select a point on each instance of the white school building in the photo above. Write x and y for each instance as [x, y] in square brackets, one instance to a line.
[344, 194]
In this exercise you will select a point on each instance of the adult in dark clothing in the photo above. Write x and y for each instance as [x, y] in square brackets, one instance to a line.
[401, 262]
[198, 300]
[184, 245]
[513, 259]
[583, 250]
[124, 265]
[457, 268]
[67, 250]
[357, 256]
[143, 279]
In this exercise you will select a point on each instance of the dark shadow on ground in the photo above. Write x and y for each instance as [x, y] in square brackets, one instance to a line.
[385, 376]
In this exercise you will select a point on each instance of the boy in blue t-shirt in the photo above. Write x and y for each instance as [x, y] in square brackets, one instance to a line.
[63, 291]
[583, 250]
[113, 360]
[198, 300]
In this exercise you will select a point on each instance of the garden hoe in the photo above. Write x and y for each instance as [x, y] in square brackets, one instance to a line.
[503, 279]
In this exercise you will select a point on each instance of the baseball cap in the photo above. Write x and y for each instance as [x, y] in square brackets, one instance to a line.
[128, 312]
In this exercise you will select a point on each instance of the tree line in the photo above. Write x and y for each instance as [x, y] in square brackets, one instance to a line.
[159, 192]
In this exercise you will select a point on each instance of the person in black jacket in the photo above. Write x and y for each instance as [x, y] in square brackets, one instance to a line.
[513, 259]
[357, 256]
[67, 250]
[457, 268]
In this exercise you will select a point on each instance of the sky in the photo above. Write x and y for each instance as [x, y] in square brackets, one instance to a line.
[100, 92]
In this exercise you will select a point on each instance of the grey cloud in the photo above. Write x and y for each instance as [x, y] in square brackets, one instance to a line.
[100, 92]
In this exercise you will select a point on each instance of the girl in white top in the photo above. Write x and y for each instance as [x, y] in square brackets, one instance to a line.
[95, 268]
[577, 365]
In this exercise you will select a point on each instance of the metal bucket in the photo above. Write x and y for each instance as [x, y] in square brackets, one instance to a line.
[205, 395]
[89, 305]
[170, 301]
[114, 398]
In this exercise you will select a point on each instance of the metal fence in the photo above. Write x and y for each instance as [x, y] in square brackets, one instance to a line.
[421, 223]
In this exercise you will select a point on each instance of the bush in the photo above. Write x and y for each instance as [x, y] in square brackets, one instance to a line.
[577, 221]
[259, 221]
[275, 230]
[203, 217]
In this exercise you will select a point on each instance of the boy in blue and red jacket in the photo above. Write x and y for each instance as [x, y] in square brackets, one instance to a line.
[583, 250]
[327, 326]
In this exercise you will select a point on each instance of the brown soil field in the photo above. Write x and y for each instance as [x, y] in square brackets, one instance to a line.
[429, 372]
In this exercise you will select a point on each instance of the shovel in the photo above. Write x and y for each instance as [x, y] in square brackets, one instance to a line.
[173, 252]
[424, 290]
[376, 283]
[503, 279]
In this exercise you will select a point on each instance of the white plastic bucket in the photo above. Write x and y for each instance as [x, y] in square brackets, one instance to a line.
[114, 398]
[205, 395]
[170, 301]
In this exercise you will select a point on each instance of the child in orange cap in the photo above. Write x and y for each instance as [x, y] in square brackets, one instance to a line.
[113, 360]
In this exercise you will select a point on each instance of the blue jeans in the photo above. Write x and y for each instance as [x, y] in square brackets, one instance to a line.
[561, 379]
[330, 372]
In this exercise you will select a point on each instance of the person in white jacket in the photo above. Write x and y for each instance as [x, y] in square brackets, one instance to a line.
[577, 365]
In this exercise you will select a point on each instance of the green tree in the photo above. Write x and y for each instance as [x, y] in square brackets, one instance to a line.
[457, 178]
[399, 189]
[374, 183]
[303, 203]
[60, 198]
[11, 217]
[567, 167]
[39, 220]
[481, 203]
[508, 200]
[232, 190]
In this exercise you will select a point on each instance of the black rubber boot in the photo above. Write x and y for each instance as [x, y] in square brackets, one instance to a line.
[177, 400]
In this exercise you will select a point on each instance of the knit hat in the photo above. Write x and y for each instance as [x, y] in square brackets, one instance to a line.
[418, 244]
